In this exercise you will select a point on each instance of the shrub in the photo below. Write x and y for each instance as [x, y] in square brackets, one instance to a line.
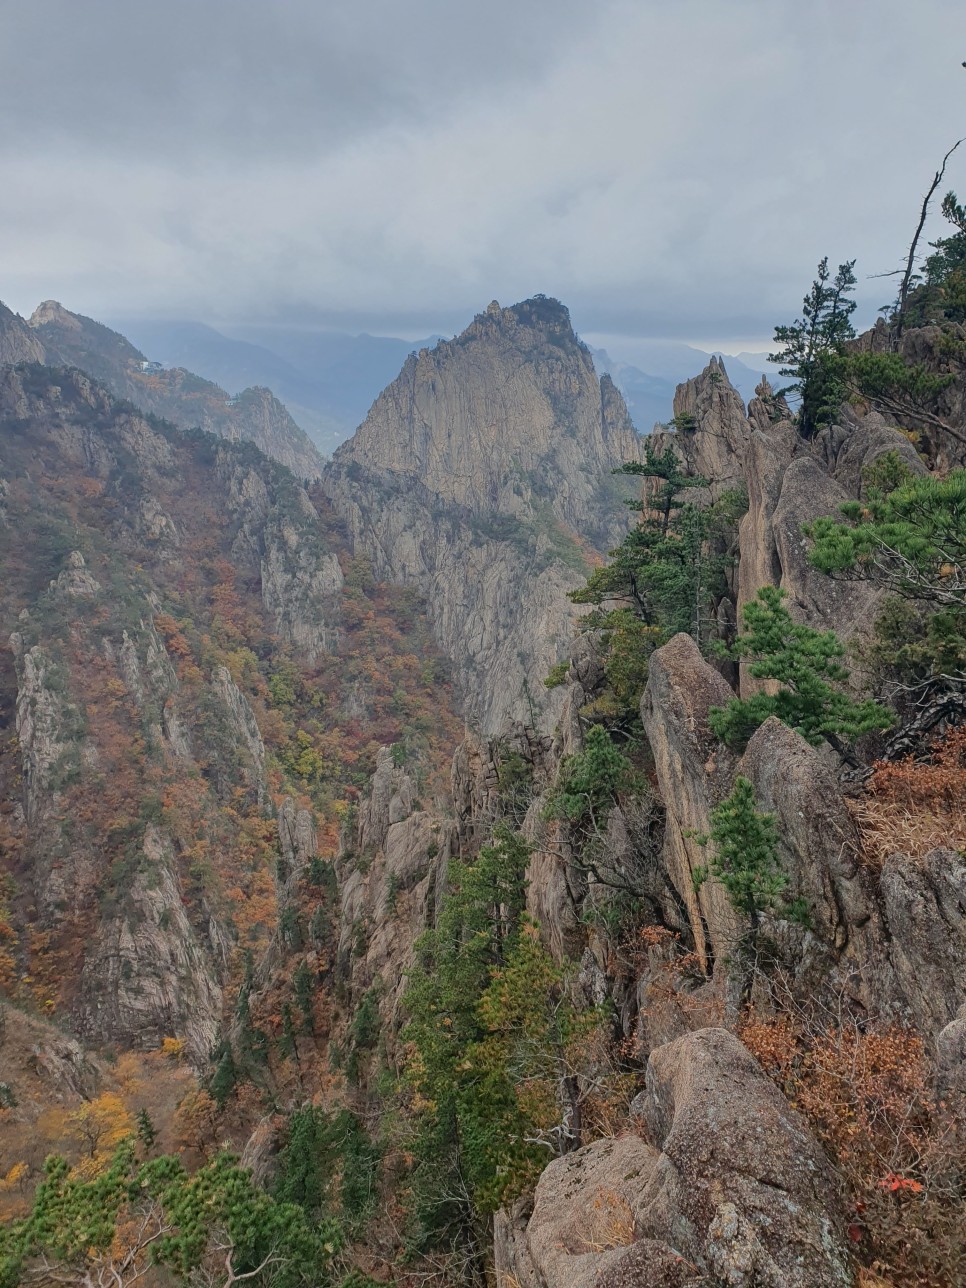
[914, 806]
[807, 663]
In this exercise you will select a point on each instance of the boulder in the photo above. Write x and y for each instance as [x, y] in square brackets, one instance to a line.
[729, 1188]
[851, 447]
[741, 1187]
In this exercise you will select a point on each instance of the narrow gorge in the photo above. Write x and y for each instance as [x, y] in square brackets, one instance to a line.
[534, 849]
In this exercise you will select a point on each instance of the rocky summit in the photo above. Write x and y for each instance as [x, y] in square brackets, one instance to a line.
[482, 477]
[429, 868]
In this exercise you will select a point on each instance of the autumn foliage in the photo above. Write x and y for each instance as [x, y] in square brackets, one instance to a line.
[914, 805]
[898, 1147]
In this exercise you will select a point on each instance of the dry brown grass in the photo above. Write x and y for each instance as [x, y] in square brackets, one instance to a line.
[889, 827]
[610, 1223]
[867, 1094]
[914, 806]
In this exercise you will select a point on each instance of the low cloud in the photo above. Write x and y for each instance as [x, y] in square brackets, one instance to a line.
[666, 170]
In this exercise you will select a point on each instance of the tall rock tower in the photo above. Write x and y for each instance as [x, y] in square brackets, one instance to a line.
[482, 475]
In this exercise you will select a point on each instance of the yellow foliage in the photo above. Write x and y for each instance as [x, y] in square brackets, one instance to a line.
[128, 1073]
[98, 1126]
[14, 1177]
[173, 1048]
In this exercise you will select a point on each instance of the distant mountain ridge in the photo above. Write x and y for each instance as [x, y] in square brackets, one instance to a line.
[328, 380]
[56, 337]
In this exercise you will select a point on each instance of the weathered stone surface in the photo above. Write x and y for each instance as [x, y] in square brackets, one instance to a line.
[296, 839]
[647, 1264]
[76, 581]
[728, 1188]
[808, 493]
[146, 974]
[279, 540]
[244, 731]
[391, 796]
[714, 445]
[820, 849]
[851, 447]
[924, 903]
[691, 769]
[585, 1202]
[392, 871]
[473, 477]
[769, 454]
[951, 1062]
[741, 1185]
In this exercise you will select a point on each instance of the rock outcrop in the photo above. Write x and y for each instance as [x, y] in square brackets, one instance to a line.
[924, 904]
[392, 868]
[692, 773]
[481, 477]
[727, 1186]
[147, 975]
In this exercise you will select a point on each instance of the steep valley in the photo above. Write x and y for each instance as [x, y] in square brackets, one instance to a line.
[431, 831]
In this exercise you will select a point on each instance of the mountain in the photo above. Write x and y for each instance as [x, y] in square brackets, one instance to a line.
[649, 392]
[69, 339]
[482, 477]
[655, 976]
[198, 670]
[328, 379]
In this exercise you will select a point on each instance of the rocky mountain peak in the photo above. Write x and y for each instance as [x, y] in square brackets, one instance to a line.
[511, 405]
[52, 312]
[17, 342]
[482, 475]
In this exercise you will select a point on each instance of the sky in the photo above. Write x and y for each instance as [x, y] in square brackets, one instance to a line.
[670, 169]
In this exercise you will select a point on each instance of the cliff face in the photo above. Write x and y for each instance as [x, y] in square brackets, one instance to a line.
[17, 342]
[69, 339]
[883, 944]
[136, 745]
[482, 476]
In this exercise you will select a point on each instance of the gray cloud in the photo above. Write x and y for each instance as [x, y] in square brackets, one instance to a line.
[665, 169]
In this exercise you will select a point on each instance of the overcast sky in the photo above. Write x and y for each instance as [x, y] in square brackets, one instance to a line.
[668, 168]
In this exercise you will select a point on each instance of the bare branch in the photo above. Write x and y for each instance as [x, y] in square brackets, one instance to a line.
[907, 276]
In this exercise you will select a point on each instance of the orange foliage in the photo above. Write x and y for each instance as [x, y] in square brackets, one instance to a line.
[914, 806]
[867, 1097]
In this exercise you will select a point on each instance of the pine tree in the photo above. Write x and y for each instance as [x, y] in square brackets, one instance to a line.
[225, 1077]
[745, 854]
[302, 985]
[215, 1226]
[745, 859]
[806, 348]
[909, 537]
[147, 1134]
[807, 663]
[663, 578]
